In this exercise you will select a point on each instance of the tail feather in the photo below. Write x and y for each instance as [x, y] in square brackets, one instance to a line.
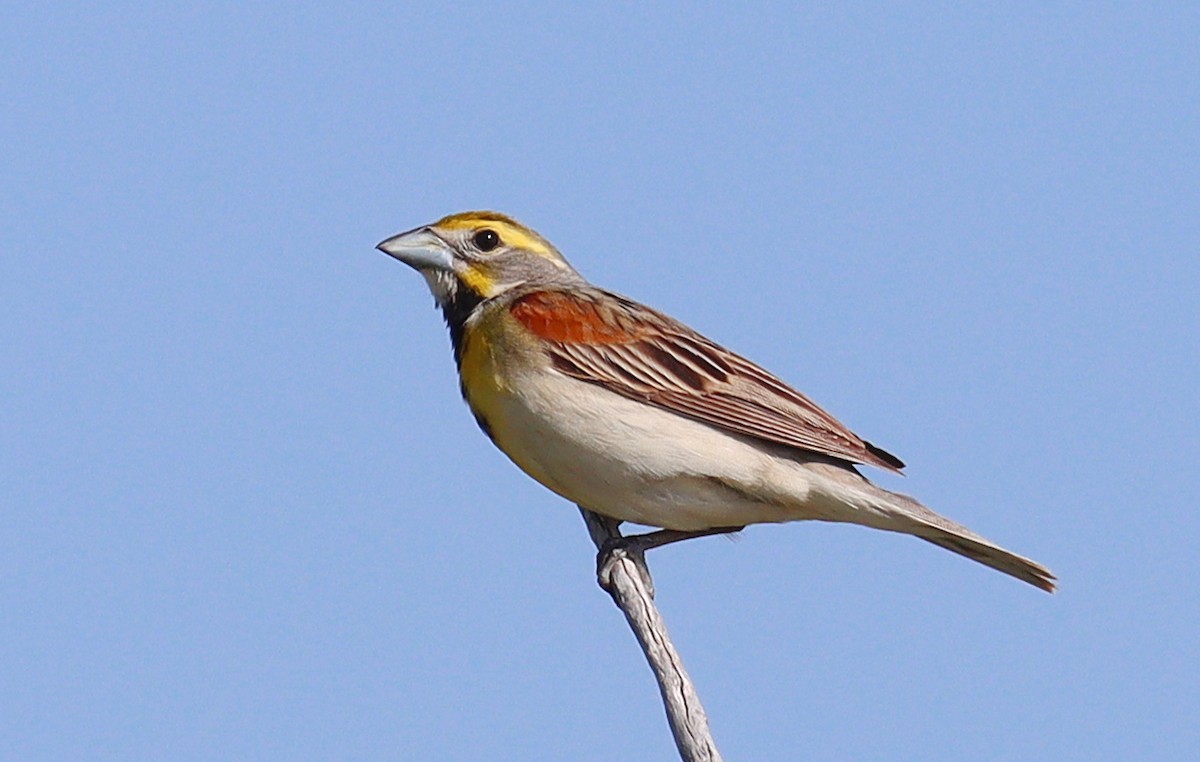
[996, 557]
[917, 520]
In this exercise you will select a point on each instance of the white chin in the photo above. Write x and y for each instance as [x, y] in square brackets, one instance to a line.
[441, 284]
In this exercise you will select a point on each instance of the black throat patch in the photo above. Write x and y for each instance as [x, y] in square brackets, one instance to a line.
[456, 311]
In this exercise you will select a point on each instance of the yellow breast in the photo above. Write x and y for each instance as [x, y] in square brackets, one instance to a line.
[483, 381]
[497, 407]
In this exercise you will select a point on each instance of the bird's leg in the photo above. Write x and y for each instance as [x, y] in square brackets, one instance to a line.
[634, 546]
[612, 546]
[660, 537]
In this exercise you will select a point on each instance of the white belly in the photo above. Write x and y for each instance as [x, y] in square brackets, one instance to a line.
[636, 462]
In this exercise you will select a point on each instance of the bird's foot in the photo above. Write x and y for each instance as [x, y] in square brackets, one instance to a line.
[635, 546]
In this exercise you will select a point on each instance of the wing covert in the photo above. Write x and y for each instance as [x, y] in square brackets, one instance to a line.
[630, 349]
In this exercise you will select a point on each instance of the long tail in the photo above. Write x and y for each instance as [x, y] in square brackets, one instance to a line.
[917, 520]
[994, 556]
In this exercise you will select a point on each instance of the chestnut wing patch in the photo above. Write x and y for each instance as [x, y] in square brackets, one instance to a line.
[641, 354]
[568, 318]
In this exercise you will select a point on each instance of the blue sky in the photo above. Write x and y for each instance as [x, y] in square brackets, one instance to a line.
[246, 516]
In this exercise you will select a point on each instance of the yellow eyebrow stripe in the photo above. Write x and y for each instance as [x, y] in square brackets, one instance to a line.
[510, 231]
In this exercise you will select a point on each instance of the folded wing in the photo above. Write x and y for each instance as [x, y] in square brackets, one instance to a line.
[632, 350]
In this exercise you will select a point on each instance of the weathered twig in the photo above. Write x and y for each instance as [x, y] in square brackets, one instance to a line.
[623, 574]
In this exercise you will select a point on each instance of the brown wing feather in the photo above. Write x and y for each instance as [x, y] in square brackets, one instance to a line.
[637, 352]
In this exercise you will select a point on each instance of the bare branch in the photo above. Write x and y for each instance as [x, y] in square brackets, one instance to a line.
[623, 574]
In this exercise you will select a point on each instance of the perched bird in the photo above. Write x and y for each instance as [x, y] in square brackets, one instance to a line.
[633, 415]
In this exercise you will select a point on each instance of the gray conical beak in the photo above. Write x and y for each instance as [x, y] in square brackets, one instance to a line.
[421, 249]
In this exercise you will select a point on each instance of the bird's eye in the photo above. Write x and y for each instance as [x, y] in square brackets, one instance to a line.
[486, 239]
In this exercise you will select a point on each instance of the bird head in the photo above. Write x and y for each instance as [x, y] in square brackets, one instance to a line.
[473, 256]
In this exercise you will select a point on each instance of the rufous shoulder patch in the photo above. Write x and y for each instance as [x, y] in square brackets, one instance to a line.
[572, 319]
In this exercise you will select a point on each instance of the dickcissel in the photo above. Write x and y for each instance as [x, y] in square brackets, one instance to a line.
[633, 415]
